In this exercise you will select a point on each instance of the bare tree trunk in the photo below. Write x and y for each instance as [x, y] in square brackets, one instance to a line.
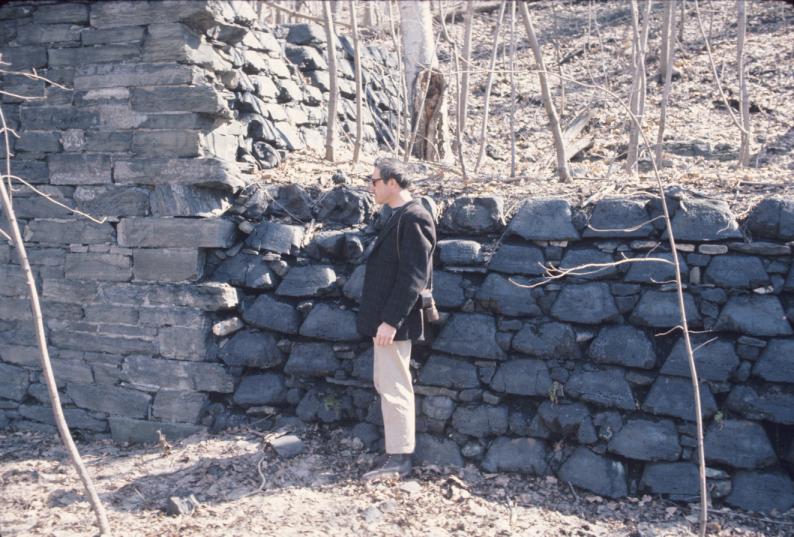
[330, 34]
[638, 84]
[681, 27]
[403, 112]
[512, 89]
[744, 148]
[369, 20]
[458, 130]
[46, 365]
[427, 98]
[488, 84]
[668, 39]
[463, 104]
[556, 42]
[554, 120]
[359, 88]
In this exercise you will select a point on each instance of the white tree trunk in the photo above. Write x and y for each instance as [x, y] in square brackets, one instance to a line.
[638, 83]
[744, 148]
[359, 88]
[464, 82]
[330, 34]
[488, 84]
[419, 49]
[668, 41]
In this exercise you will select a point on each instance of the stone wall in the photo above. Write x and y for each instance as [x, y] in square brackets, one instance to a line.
[202, 304]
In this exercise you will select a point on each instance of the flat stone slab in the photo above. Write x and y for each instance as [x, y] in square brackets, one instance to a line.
[741, 271]
[267, 312]
[607, 388]
[501, 295]
[308, 281]
[459, 252]
[593, 472]
[245, 270]
[600, 304]
[251, 348]
[582, 257]
[754, 315]
[522, 377]
[623, 345]
[437, 451]
[264, 389]
[715, 360]
[518, 259]
[470, 334]
[545, 219]
[480, 420]
[647, 440]
[176, 232]
[655, 271]
[676, 478]
[773, 402]
[740, 444]
[761, 491]
[672, 396]
[274, 237]
[618, 218]
[312, 360]
[448, 289]
[449, 372]
[521, 455]
[659, 309]
[777, 362]
[287, 446]
[546, 340]
[330, 323]
[704, 220]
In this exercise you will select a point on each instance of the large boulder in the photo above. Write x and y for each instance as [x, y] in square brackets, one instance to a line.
[437, 451]
[578, 259]
[547, 340]
[265, 389]
[473, 215]
[448, 289]
[480, 420]
[307, 281]
[470, 334]
[762, 491]
[595, 473]
[518, 259]
[600, 304]
[777, 362]
[715, 360]
[741, 444]
[660, 309]
[274, 237]
[449, 372]
[507, 296]
[331, 323]
[544, 219]
[522, 377]
[267, 312]
[456, 252]
[245, 270]
[606, 388]
[623, 345]
[522, 455]
[652, 271]
[311, 360]
[754, 315]
[704, 220]
[672, 396]
[678, 479]
[251, 348]
[345, 206]
[619, 218]
[773, 402]
[742, 271]
[647, 440]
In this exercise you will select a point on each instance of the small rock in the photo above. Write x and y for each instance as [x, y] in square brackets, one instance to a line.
[177, 506]
[287, 446]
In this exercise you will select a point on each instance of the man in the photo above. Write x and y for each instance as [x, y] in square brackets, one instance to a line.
[398, 269]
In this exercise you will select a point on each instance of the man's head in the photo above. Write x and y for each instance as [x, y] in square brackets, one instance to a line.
[389, 178]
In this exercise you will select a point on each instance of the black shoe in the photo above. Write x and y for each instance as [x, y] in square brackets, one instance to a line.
[394, 466]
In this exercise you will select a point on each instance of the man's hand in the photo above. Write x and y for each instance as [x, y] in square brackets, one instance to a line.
[385, 335]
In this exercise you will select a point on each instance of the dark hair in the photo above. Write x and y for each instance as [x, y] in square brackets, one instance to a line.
[391, 168]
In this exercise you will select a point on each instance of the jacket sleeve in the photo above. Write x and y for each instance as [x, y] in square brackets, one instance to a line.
[416, 239]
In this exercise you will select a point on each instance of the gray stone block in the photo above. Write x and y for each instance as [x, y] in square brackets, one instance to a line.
[90, 77]
[671, 396]
[762, 491]
[601, 475]
[647, 440]
[306, 34]
[480, 421]
[773, 403]
[129, 34]
[674, 478]
[754, 315]
[312, 360]
[205, 172]
[547, 340]
[93, 342]
[112, 201]
[623, 345]
[565, 420]
[470, 334]
[580, 257]
[72, 57]
[544, 219]
[438, 407]
[129, 13]
[659, 309]
[502, 295]
[522, 377]
[61, 13]
[330, 323]
[615, 217]
[265, 389]
[342, 205]
[308, 281]
[68, 231]
[459, 252]
[24, 58]
[449, 372]
[59, 290]
[185, 343]
[777, 362]
[521, 455]
[251, 348]
[437, 451]
[279, 238]
[447, 289]
[736, 271]
[151, 373]
[176, 232]
[704, 220]
[38, 34]
[133, 431]
[740, 444]
[786, 228]
[245, 270]
[75, 417]
[38, 142]
[607, 388]
[103, 267]
[15, 382]
[655, 271]
[200, 98]
[166, 143]
[186, 200]
[473, 215]
[600, 304]
[267, 312]
[178, 406]
[518, 259]
[168, 264]
[113, 400]
[715, 361]
[209, 296]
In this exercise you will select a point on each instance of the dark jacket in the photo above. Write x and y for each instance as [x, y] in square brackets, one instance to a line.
[392, 282]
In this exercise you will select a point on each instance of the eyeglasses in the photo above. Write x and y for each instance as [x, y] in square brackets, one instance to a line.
[374, 180]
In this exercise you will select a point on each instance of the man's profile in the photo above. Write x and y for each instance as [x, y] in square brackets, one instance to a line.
[398, 269]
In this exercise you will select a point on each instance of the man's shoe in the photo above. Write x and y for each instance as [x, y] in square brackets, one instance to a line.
[394, 466]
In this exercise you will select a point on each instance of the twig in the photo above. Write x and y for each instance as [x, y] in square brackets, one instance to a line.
[300, 15]
[573, 491]
[54, 201]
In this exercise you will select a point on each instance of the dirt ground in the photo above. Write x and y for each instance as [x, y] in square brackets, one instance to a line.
[244, 488]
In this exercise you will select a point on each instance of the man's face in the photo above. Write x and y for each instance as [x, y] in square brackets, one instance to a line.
[381, 190]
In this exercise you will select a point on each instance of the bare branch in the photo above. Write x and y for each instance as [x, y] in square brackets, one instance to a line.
[628, 229]
[53, 200]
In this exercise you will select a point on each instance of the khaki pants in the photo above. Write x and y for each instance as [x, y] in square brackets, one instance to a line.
[392, 378]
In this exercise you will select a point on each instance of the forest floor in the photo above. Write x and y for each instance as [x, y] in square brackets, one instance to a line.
[701, 141]
[242, 487]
